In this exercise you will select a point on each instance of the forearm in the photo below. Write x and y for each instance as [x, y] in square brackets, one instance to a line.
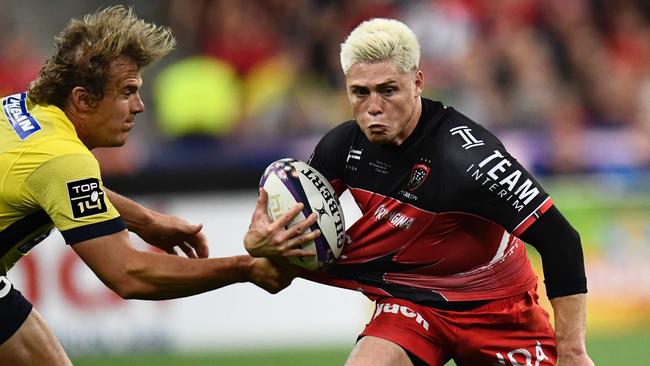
[570, 315]
[135, 216]
[159, 277]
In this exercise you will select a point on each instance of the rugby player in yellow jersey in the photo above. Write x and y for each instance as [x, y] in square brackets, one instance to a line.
[85, 97]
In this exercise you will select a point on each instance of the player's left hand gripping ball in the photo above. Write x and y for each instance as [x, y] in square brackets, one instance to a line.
[288, 181]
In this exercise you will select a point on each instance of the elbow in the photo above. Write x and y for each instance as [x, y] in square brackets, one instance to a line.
[125, 292]
[128, 284]
[575, 236]
[126, 289]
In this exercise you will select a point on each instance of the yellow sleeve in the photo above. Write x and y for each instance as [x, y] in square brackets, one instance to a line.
[69, 188]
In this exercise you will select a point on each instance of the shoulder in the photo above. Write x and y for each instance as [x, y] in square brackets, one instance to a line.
[341, 131]
[339, 135]
[464, 141]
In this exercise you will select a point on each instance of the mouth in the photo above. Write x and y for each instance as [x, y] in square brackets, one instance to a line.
[129, 125]
[377, 128]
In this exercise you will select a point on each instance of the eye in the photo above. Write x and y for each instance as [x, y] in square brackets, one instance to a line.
[388, 91]
[360, 92]
[129, 91]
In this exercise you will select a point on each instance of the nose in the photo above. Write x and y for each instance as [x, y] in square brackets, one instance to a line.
[374, 104]
[138, 105]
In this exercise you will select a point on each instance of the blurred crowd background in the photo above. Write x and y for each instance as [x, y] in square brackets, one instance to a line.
[564, 84]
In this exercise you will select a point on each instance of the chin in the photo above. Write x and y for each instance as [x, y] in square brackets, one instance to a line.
[381, 139]
[118, 143]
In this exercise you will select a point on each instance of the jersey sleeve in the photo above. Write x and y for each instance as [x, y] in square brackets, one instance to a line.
[482, 178]
[327, 159]
[70, 190]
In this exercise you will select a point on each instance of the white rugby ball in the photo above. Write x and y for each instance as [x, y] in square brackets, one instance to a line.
[288, 181]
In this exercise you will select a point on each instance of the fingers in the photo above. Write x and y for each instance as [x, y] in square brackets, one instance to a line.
[260, 204]
[188, 250]
[195, 228]
[299, 240]
[302, 226]
[200, 245]
[288, 216]
[300, 253]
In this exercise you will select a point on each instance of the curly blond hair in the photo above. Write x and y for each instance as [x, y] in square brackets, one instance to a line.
[86, 48]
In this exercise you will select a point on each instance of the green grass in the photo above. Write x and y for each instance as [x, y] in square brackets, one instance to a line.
[631, 349]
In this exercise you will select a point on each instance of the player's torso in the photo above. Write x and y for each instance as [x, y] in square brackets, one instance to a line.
[405, 214]
[424, 223]
[29, 135]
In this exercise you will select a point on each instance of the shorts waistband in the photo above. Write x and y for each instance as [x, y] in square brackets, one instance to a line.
[486, 305]
[499, 304]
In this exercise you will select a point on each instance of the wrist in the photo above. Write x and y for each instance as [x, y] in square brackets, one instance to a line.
[139, 222]
[570, 346]
[246, 267]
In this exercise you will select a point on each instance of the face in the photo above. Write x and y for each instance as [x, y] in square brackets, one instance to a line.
[109, 123]
[384, 100]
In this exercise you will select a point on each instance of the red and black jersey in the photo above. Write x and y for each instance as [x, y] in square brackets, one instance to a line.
[441, 213]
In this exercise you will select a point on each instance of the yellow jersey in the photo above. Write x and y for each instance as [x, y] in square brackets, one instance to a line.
[48, 178]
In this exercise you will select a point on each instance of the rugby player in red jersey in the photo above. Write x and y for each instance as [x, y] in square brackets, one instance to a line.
[445, 209]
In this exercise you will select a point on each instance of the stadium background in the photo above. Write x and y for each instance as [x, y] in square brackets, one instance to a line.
[564, 84]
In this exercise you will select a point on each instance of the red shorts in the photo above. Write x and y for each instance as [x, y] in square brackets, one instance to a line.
[514, 332]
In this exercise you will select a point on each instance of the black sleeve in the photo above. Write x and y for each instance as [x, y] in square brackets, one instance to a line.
[558, 243]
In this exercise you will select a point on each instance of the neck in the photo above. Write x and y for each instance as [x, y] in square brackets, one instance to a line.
[77, 120]
[412, 123]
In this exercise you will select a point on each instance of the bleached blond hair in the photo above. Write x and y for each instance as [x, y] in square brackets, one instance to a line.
[381, 39]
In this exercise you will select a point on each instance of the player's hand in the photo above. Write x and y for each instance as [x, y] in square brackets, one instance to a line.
[271, 275]
[265, 238]
[167, 232]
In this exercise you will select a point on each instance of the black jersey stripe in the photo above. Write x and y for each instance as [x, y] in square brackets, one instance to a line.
[91, 231]
[22, 228]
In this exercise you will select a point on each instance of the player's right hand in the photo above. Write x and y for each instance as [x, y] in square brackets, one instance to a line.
[271, 275]
[266, 238]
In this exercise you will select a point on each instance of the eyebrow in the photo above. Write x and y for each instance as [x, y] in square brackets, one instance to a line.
[380, 85]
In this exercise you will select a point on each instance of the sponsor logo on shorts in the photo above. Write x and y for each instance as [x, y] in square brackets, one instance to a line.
[405, 311]
[5, 286]
[86, 197]
[522, 357]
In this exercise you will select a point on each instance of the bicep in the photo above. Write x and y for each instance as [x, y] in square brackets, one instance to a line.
[560, 248]
[107, 256]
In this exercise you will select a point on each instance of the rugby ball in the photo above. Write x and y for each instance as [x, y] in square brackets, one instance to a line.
[289, 181]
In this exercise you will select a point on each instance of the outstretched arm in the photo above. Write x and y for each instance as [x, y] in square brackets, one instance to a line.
[162, 231]
[135, 274]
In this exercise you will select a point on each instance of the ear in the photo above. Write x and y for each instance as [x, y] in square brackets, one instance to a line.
[419, 83]
[79, 98]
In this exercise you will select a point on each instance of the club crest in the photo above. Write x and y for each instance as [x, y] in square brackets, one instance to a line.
[419, 174]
